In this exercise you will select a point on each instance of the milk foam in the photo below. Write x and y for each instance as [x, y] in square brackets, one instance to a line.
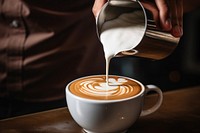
[101, 88]
[122, 34]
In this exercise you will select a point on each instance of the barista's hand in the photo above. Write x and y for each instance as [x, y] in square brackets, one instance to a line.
[168, 14]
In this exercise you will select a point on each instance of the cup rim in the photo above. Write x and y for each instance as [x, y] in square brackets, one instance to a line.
[67, 92]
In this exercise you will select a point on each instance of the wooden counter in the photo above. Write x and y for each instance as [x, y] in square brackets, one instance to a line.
[180, 113]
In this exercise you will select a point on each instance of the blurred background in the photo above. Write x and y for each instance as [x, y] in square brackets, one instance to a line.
[179, 70]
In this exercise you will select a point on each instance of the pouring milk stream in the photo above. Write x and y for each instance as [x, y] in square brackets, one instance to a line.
[123, 28]
[121, 34]
[116, 39]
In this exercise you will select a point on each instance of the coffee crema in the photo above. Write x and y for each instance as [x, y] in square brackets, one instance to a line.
[95, 87]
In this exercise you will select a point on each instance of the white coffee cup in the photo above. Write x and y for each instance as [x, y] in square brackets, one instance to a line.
[110, 116]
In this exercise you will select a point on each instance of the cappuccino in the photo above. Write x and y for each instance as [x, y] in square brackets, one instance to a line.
[96, 88]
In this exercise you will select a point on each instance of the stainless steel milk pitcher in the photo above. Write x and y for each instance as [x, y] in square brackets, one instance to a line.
[155, 44]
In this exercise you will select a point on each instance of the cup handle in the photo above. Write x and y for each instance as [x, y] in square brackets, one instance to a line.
[158, 103]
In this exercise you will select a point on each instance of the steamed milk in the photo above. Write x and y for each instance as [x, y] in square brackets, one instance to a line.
[122, 34]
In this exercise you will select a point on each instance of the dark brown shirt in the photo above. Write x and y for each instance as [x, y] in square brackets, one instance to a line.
[44, 44]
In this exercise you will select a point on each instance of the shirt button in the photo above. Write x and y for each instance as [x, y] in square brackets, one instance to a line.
[15, 24]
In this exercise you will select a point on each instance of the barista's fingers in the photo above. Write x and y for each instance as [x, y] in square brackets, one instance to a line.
[164, 14]
[151, 6]
[98, 4]
[177, 17]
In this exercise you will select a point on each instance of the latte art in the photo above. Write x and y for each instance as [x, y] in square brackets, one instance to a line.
[95, 87]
